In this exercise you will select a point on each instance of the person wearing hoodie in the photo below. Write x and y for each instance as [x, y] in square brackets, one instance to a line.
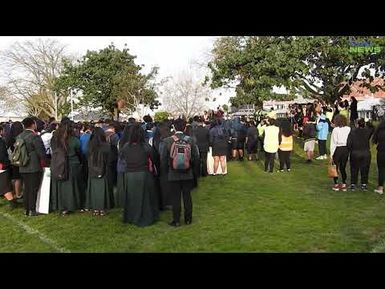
[238, 138]
[322, 136]
[271, 144]
[309, 133]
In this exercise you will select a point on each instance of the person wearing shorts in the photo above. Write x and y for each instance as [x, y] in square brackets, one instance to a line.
[309, 133]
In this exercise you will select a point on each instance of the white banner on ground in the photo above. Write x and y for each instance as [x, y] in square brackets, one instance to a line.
[42, 203]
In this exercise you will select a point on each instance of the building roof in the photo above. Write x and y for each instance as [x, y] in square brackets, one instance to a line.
[361, 93]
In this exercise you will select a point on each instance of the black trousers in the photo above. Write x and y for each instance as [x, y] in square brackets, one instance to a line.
[381, 168]
[284, 159]
[32, 183]
[269, 161]
[359, 161]
[203, 164]
[322, 147]
[177, 189]
[340, 158]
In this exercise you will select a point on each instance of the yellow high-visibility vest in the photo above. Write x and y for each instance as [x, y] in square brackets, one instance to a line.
[286, 143]
[271, 141]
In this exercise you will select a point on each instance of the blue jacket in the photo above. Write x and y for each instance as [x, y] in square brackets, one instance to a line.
[322, 129]
[84, 140]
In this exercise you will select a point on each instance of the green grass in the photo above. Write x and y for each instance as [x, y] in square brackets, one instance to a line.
[246, 211]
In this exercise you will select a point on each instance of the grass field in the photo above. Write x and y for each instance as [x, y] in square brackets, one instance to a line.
[246, 211]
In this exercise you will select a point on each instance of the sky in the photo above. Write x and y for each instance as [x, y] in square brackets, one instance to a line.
[172, 54]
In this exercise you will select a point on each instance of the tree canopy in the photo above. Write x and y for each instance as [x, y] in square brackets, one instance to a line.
[318, 67]
[107, 77]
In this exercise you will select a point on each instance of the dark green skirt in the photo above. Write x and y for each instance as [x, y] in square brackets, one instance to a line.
[141, 206]
[99, 195]
[66, 195]
[119, 197]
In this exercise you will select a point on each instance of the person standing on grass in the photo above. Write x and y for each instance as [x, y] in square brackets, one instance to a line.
[218, 142]
[285, 145]
[202, 135]
[5, 176]
[360, 157]
[338, 149]
[271, 144]
[136, 159]
[15, 130]
[180, 177]
[379, 140]
[251, 141]
[309, 133]
[99, 195]
[353, 111]
[67, 195]
[261, 128]
[322, 136]
[32, 173]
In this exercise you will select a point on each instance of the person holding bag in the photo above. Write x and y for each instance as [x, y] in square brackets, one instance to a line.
[339, 150]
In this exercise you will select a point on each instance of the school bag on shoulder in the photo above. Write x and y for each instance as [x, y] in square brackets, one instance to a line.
[180, 154]
[20, 156]
[59, 164]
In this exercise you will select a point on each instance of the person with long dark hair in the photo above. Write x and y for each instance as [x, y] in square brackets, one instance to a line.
[99, 195]
[338, 149]
[379, 140]
[136, 160]
[360, 156]
[285, 145]
[68, 195]
[5, 177]
[15, 130]
[161, 133]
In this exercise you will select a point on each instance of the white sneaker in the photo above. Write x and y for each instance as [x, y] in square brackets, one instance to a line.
[378, 191]
[320, 158]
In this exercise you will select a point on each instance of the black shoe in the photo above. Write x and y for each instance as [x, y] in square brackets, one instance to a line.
[188, 221]
[364, 187]
[174, 224]
[32, 214]
[352, 187]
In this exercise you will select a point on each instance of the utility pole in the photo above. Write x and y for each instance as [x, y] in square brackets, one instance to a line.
[55, 98]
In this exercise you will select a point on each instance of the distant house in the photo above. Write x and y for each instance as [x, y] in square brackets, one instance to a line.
[368, 102]
[281, 107]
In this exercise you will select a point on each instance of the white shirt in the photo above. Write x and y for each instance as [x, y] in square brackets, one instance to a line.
[46, 138]
[339, 138]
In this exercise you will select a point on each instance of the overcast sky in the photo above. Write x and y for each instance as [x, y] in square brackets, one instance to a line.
[172, 54]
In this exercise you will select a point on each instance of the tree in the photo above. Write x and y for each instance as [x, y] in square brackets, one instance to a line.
[186, 96]
[7, 102]
[161, 116]
[31, 69]
[107, 77]
[318, 67]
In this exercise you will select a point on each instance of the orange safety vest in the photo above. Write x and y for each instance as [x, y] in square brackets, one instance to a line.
[286, 144]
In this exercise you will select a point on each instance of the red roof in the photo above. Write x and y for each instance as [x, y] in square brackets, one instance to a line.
[361, 93]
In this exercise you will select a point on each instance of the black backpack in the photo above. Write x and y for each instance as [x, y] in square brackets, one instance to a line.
[59, 164]
[96, 165]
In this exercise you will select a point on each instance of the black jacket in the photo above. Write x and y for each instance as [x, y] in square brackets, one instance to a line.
[4, 159]
[202, 136]
[358, 139]
[36, 152]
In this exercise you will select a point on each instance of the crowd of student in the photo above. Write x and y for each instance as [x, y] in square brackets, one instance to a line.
[144, 168]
